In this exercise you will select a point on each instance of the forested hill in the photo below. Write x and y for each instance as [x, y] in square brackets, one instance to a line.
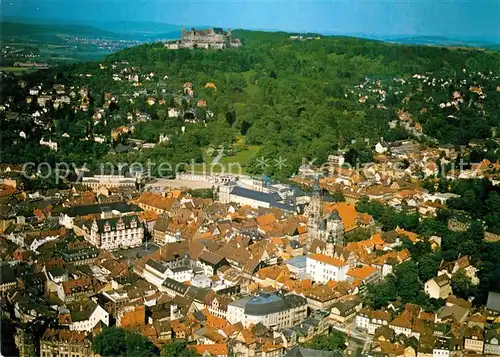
[330, 54]
[299, 98]
[294, 98]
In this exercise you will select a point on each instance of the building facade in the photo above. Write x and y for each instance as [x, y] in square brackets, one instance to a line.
[323, 268]
[492, 342]
[113, 233]
[64, 343]
[438, 287]
[108, 181]
[272, 310]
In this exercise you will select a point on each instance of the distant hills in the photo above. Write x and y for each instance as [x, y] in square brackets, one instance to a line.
[444, 41]
[16, 29]
[490, 43]
[139, 27]
[125, 30]
[154, 31]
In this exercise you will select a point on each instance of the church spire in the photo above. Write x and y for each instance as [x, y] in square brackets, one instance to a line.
[330, 245]
[336, 228]
[331, 238]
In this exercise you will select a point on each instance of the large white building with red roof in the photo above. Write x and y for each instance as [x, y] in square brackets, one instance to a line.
[322, 268]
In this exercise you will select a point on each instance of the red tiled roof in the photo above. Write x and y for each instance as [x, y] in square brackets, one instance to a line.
[328, 260]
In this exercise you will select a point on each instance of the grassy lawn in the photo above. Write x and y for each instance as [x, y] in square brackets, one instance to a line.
[242, 157]
[228, 164]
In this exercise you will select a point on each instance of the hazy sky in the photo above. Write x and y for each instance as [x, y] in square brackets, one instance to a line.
[479, 18]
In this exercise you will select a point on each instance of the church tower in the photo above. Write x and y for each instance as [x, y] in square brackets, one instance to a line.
[336, 228]
[330, 245]
[314, 212]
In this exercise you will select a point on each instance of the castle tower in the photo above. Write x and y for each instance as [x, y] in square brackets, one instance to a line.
[336, 228]
[314, 212]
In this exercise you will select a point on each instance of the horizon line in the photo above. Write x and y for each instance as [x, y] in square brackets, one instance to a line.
[364, 35]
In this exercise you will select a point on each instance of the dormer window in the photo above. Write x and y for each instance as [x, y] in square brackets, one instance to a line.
[107, 227]
[120, 225]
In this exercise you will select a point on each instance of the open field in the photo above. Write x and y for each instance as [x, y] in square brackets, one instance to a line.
[242, 157]
[235, 164]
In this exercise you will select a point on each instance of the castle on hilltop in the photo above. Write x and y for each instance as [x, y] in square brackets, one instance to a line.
[210, 38]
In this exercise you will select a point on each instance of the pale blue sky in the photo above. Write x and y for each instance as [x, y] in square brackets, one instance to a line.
[452, 18]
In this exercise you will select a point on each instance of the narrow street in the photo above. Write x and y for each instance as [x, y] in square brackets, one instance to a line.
[359, 339]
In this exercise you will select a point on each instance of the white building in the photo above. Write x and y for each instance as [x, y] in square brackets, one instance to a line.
[112, 233]
[108, 181]
[336, 160]
[99, 315]
[492, 342]
[438, 287]
[297, 266]
[52, 145]
[474, 339]
[322, 268]
[380, 148]
[441, 348]
[156, 273]
[173, 113]
[29, 242]
[369, 320]
[272, 310]
[88, 317]
[99, 139]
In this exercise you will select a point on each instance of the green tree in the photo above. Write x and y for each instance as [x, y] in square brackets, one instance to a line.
[177, 348]
[408, 284]
[358, 235]
[428, 266]
[462, 285]
[115, 341]
[334, 341]
[110, 342]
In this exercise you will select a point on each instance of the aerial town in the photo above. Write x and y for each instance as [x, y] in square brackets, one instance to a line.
[255, 271]
[394, 253]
